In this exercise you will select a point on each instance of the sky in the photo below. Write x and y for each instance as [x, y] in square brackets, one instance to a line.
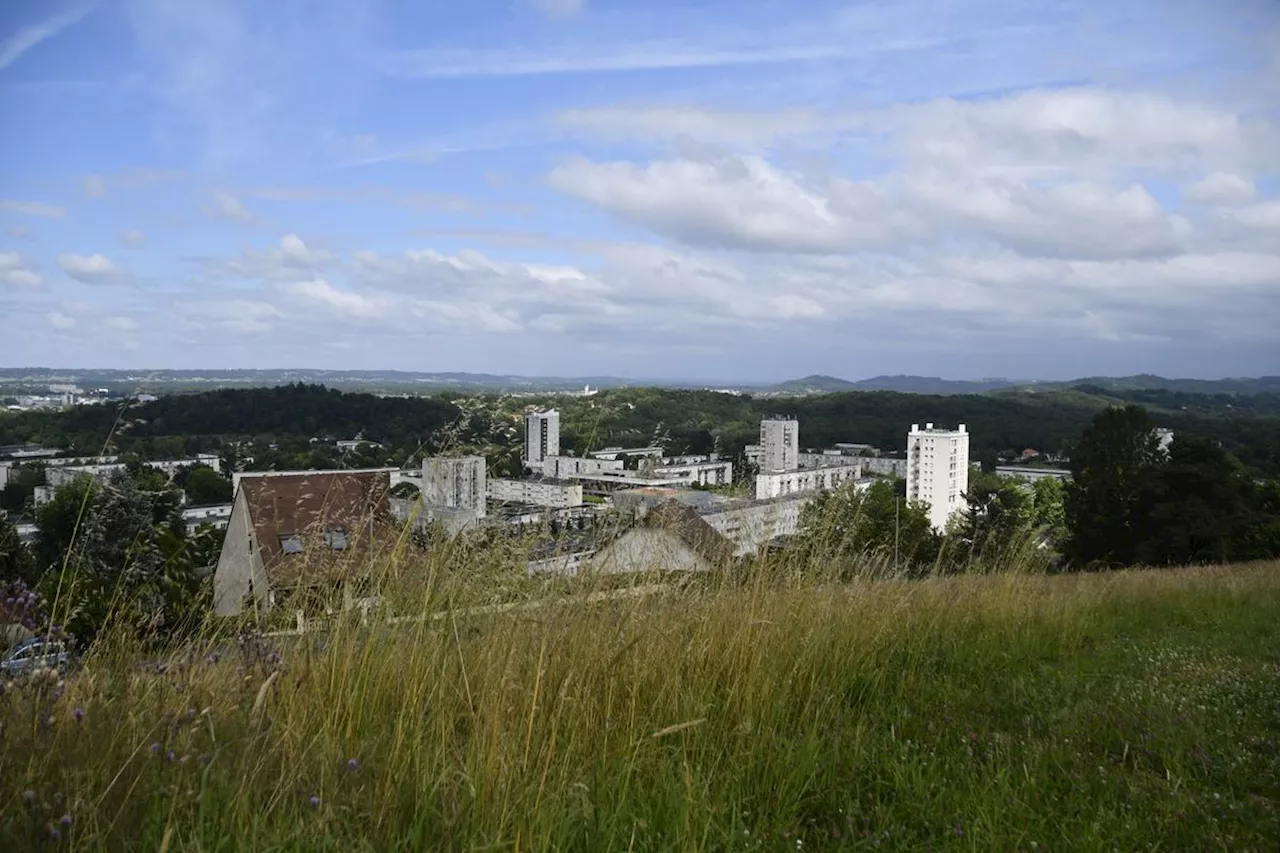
[645, 188]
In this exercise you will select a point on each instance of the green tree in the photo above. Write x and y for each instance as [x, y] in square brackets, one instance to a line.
[1047, 511]
[1198, 507]
[844, 527]
[129, 563]
[204, 485]
[16, 560]
[62, 520]
[1108, 498]
[997, 517]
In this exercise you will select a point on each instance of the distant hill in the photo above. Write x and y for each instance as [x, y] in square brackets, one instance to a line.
[933, 385]
[815, 384]
[1150, 382]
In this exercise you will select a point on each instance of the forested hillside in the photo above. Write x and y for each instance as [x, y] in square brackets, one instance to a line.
[682, 421]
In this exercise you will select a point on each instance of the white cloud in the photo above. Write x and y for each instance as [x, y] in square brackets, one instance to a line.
[60, 321]
[744, 202]
[634, 57]
[1079, 132]
[94, 186]
[132, 238]
[237, 316]
[14, 272]
[32, 208]
[559, 8]
[292, 259]
[227, 207]
[343, 302]
[1263, 215]
[91, 269]
[730, 201]
[122, 324]
[743, 128]
[1221, 188]
[28, 37]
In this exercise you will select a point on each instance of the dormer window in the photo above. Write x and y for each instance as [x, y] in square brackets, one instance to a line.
[335, 538]
[290, 543]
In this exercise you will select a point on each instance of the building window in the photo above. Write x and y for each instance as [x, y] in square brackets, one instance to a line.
[335, 538]
[291, 543]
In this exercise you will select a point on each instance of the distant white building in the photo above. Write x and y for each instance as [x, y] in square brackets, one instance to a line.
[541, 437]
[566, 467]
[938, 470]
[455, 482]
[536, 492]
[1165, 437]
[779, 444]
[1030, 475]
[816, 479]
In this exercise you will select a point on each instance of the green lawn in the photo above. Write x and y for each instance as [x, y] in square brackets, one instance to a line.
[1129, 711]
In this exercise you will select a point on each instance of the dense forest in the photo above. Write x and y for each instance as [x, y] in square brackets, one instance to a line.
[682, 421]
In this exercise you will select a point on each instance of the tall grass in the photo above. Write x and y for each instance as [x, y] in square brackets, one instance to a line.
[761, 710]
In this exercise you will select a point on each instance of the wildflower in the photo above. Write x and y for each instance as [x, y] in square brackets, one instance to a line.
[315, 801]
[352, 764]
[65, 820]
[78, 713]
[170, 756]
[155, 749]
[54, 834]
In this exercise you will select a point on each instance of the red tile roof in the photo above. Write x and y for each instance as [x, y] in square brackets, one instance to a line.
[307, 505]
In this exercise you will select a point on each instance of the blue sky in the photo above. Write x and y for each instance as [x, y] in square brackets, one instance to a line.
[739, 190]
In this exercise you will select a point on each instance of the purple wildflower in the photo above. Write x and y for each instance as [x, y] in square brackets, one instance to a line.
[315, 801]
[155, 749]
[54, 834]
[78, 713]
[352, 764]
[65, 820]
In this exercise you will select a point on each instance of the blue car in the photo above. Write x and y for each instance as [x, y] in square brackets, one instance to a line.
[37, 653]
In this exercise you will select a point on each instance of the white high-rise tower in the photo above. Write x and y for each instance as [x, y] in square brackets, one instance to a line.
[541, 437]
[455, 482]
[779, 445]
[938, 470]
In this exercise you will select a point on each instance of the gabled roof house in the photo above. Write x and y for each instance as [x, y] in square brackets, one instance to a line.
[312, 529]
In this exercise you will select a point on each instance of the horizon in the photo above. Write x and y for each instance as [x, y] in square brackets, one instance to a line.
[687, 379]
[650, 189]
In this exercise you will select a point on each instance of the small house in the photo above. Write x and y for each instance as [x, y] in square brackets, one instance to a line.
[308, 532]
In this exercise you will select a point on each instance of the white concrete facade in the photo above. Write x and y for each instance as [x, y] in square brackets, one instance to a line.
[816, 479]
[566, 467]
[751, 525]
[456, 482]
[779, 445]
[536, 492]
[701, 473]
[240, 581]
[938, 470]
[541, 437]
[1030, 475]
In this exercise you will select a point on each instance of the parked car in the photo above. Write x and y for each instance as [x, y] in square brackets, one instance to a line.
[35, 654]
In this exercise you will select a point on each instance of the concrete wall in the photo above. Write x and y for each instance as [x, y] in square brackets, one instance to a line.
[538, 493]
[773, 485]
[752, 525]
[456, 482]
[564, 467]
[240, 571]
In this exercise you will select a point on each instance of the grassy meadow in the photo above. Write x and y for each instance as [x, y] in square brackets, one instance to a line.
[1136, 710]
